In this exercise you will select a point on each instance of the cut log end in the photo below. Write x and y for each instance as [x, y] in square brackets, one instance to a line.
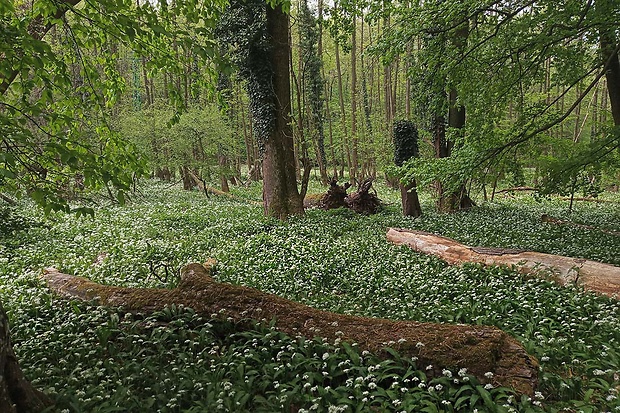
[479, 349]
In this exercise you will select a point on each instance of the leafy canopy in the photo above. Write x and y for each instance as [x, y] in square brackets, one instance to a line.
[60, 77]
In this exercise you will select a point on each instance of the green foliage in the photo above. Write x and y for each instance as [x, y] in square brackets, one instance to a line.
[93, 359]
[519, 72]
[405, 141]
[57, 87]
[579, 168]
[195, 140]
[242, 31]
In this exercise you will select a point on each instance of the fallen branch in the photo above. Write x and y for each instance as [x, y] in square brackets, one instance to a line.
[551, 220]
[592, 275]
[517, 189]
[480, 349]
[596, 200]
[210, 190]
[8, 200]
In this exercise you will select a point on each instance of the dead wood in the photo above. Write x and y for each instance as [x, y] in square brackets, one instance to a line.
[17, 395]
[335, 196]
[210, 190]
[8, 200]
[592, 275]
[480, 349]
[596, 200]
[517, 189]
[363, 201]
[551, 220]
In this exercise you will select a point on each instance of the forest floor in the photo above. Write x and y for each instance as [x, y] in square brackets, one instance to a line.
[93, 359]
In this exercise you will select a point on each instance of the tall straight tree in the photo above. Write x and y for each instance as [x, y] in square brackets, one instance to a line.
[258, 35]
[280, 195]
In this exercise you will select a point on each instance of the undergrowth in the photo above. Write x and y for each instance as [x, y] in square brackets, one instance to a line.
[92, 359]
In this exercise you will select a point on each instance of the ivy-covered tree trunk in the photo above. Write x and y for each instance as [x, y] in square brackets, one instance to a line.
[609, 51]
[280, 195]
[16, 393]
[457, 199]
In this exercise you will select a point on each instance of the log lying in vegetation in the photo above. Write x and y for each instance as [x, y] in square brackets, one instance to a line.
[592, 275]
[480, 349]
[517, 189]
[551, 220]
[210, 190]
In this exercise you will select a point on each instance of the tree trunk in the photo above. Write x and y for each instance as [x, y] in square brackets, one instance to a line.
[280, 195]
[609, 49]
[480, 349]
[592, 275]
[353, 172]
[16, 394]
[410, 201]
[223, 164]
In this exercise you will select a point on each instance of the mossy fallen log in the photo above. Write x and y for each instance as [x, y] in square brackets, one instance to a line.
[592, 275]
[480, 349]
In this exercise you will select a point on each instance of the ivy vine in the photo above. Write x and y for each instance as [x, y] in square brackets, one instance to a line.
[243, 31]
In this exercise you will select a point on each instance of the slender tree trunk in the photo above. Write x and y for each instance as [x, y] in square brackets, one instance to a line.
[609, 48]
[595, 111]
[326, 93]
[145, 78]
[280, 195]
[345, 146]
[354, 138]
[455, 199]
[577, 115]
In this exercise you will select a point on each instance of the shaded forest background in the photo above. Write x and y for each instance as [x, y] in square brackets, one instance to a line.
[522, 93]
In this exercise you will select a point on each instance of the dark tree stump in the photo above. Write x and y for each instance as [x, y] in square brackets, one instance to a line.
[410, 200]
[362, 201]
[335, 196]
[17, 395]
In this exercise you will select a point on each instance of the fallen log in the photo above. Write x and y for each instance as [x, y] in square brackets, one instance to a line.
[551, 220]
[17, 395]
[592, 275]
[480, 349]
[590, 199]
[517, 189]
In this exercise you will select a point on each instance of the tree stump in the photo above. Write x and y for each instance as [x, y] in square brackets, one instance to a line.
[480, 349]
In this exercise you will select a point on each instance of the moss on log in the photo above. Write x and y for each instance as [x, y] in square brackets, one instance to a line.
[592, 275]
[480, 349]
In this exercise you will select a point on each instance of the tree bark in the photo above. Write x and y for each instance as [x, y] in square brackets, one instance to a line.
[353, 171]
[410, 200]
[480, 349]
[593, 276]
[16, 394]
[280, 195]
